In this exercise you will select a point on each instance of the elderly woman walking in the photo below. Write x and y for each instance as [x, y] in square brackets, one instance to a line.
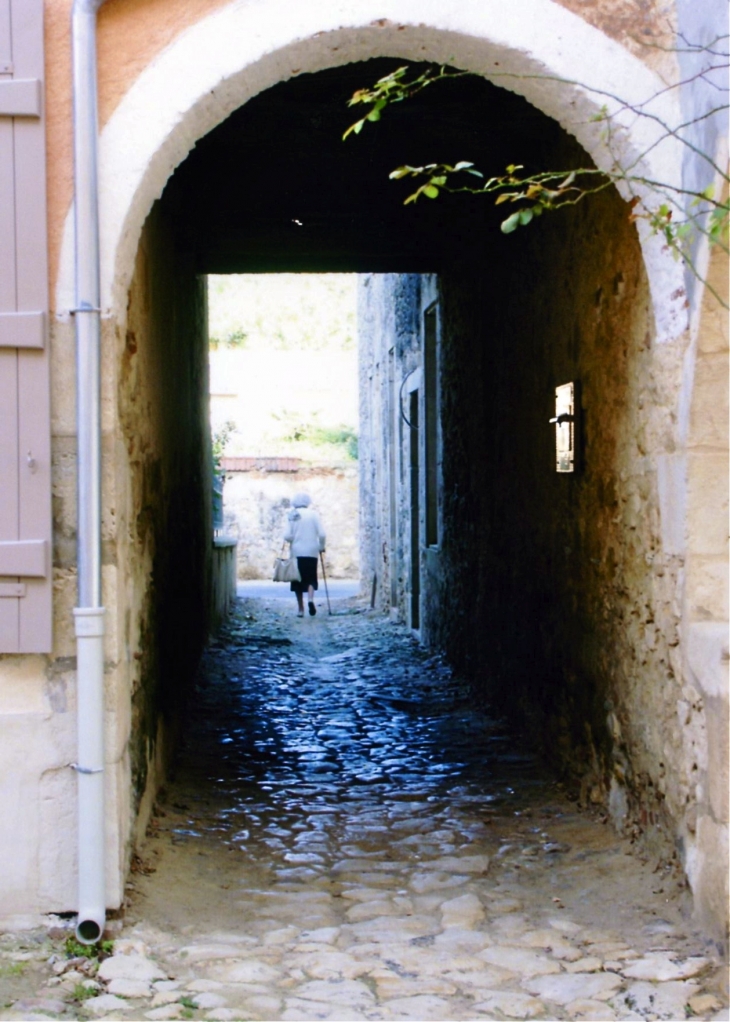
[306, 535]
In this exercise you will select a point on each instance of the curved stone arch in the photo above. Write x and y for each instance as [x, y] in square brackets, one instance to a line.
[563, 66]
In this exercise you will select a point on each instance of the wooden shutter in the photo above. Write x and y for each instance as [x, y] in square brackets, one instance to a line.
[25, 447]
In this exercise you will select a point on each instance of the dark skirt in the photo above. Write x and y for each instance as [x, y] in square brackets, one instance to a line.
[308, 571]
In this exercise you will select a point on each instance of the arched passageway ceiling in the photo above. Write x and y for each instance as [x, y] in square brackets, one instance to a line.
[274, 189]
[560, 64]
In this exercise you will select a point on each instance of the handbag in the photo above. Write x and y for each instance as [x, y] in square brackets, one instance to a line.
[286, 568]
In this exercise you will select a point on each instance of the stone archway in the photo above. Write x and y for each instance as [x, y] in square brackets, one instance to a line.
[230, 56]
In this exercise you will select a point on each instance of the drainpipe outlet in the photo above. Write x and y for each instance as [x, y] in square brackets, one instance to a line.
[89, 623]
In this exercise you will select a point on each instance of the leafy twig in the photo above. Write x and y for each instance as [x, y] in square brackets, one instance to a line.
[706, 215]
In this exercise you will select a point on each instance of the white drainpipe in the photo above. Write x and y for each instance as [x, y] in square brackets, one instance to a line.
[89, 615]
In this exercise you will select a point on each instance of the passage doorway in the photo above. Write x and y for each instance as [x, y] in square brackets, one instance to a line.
[512, 579]
[284, 411]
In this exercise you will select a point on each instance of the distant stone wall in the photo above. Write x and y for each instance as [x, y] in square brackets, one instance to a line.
[256, 505]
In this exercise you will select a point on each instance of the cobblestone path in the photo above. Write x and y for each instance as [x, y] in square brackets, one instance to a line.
[346, 837]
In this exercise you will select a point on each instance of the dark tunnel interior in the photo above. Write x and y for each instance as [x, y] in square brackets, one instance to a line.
[274, 188]
[533, 589]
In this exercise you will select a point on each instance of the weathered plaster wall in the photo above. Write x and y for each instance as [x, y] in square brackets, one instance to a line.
[130, 34]
[36, 789]
[156, 559]
[156, 546]
[38, 694]
[256, 505]
[704, 709]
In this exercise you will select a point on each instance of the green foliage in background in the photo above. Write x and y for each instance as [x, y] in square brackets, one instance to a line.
[283, 367]
[344, 437]
[219, 441]
[282, 311]
[236, 338]
[342, 440]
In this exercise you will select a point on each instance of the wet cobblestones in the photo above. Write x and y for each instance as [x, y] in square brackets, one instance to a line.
[348, 836]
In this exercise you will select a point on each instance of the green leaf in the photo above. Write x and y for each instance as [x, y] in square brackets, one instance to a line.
[356, 128]
[462, 165]
[430, 191]
[440, 181]
[525, 216]
[398, 173]
[393, 76]
[374, 115]
[510, 224]
[361, 96]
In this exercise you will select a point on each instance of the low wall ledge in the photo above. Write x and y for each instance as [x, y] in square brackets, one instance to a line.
[224, 541]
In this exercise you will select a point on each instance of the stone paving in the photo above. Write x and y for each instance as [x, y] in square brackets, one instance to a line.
[348, 837]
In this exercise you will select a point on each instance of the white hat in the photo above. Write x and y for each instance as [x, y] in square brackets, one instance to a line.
[301, 500]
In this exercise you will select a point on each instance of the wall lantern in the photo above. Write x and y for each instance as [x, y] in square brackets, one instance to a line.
[566, 432]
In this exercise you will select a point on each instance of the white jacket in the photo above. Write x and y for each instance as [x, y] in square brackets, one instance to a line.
[305, 533]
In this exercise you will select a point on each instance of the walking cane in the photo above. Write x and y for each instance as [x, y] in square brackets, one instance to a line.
[324, 579]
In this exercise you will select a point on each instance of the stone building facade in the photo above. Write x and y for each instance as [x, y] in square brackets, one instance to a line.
[607, 593]
[565, 599]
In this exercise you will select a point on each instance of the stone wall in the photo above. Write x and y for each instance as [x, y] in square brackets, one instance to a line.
[576, 593]
[389, 337]
[256, 505]
[561, 595]
[164, 510]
